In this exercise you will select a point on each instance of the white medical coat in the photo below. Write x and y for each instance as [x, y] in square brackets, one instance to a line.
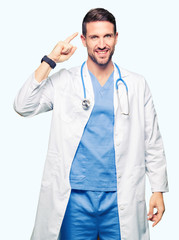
[137, 141]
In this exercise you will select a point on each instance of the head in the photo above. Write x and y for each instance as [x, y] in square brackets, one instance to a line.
[98, 14]
[99, 35]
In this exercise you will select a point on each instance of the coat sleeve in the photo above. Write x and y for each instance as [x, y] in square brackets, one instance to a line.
[34, 97]
[156, 168]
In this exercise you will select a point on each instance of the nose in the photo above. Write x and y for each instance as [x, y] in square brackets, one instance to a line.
[101, 43]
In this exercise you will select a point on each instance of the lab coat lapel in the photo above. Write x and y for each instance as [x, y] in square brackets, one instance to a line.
[84, 114]
[88, 85]
[120, 94]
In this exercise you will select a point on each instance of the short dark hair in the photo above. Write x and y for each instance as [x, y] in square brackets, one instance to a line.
[98, 14]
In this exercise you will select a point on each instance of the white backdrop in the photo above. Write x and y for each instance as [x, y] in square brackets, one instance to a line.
[148, 44]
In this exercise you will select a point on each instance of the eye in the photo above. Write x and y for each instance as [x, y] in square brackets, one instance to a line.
[108, 35]
[94, 37]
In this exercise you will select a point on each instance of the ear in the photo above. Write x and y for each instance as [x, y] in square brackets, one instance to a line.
[83, 39]
[116, 38]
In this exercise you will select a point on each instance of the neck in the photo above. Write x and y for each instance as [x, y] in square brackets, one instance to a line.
[100, 72]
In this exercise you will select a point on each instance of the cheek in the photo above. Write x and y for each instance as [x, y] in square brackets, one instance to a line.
[90, 47]
[111, 42]
[112, 45]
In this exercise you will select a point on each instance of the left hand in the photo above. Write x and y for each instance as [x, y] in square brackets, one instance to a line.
[156, 201]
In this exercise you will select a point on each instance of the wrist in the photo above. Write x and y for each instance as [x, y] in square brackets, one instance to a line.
[52, 57]
[49, 61]
[158, 193]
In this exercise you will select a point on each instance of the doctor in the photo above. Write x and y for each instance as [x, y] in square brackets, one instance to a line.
[93, 183]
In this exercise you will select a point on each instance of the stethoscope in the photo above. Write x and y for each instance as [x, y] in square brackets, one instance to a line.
[86, 102]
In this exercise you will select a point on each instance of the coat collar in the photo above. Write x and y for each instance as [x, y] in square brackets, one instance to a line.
[124, 73]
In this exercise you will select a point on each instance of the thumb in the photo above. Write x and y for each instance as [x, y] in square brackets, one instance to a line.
[72, 51]
[150, 213]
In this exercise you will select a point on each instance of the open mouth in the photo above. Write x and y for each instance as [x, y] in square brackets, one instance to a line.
[102, 52]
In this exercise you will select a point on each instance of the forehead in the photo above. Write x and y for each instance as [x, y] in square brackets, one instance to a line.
[99, 28]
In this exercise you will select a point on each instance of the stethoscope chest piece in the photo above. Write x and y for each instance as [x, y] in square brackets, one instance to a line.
[85, 104]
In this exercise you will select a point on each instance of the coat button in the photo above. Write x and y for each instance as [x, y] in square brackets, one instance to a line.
[122, 207]
[119, 176]
[118, 143]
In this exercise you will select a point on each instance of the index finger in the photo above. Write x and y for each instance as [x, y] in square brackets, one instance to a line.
[68, 39]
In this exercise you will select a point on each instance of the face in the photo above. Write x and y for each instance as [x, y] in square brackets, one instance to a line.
[100, 41]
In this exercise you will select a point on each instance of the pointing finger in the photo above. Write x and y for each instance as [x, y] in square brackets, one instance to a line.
[70, 38]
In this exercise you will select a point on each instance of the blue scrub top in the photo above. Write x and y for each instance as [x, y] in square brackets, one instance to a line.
[93, 167]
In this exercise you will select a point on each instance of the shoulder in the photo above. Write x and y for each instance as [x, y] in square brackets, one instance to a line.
[136, 82]
[74, 69]
[133, 78]
[64, 76]
[67, 73]
[131, 75]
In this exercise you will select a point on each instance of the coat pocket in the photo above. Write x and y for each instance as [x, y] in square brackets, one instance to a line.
[139, 182]
[68, 107]
[50, 169]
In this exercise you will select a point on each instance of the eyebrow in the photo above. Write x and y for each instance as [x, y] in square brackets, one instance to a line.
[96, 35]
[93, 35]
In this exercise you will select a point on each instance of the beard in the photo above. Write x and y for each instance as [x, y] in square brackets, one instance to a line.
[101, 64]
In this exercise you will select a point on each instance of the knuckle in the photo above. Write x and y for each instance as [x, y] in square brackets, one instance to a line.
[163, 209]
[69, 46]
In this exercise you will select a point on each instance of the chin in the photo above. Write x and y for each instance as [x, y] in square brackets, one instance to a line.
[103, 62]
[99, 61]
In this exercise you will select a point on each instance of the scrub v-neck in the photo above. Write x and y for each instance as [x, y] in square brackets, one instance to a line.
[98, 88]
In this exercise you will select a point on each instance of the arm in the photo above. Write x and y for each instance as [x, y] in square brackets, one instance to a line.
[36, 95]
[61, 52]
[155, 160]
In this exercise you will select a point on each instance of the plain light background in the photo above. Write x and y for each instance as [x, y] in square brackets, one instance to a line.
[148, 44]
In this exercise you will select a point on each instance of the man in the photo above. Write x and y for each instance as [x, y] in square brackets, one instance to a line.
[94, 178]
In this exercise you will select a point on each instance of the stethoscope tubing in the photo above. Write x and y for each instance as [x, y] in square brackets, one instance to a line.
[86, 102]
[120, 79]
[84, 89]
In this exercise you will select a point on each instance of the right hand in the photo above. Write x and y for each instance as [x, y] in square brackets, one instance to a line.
[63, 50]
